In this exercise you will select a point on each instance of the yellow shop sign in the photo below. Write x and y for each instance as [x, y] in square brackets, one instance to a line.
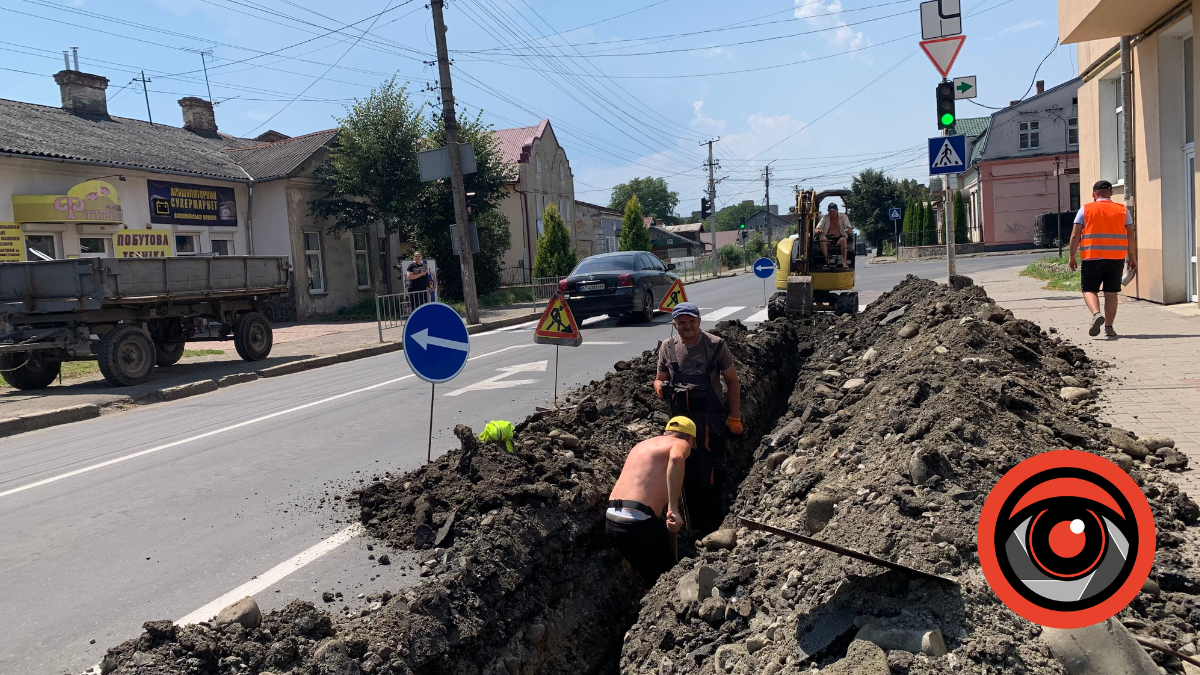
[93, 201]
[142, 244]
[12, 245]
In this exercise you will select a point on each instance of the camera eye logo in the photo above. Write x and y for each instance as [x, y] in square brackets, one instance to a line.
[1066, 539]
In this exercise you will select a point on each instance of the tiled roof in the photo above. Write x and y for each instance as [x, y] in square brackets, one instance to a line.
[279, 159]
[978, 149]
[685, 228]
[972, 126]
[598, 207]
[43, 131]
[515, 144]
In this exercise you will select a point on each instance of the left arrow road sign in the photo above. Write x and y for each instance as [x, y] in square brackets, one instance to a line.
[423, 338]
[436, 342]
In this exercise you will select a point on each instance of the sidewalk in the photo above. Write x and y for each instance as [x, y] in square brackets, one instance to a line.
[1155, 378]
[293, 343]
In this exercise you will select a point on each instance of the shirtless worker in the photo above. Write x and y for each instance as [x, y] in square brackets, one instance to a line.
[643, 509]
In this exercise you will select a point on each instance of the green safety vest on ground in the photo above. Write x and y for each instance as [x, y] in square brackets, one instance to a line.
[498, 430]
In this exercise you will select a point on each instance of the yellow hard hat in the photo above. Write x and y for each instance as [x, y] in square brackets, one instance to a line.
[683, 425]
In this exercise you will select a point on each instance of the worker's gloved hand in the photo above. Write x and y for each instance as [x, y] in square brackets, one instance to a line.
[734, 424]
[658, 386]
[674, 522]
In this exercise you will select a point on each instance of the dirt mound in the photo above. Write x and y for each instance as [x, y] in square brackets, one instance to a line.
[519, 575]
[898, 427]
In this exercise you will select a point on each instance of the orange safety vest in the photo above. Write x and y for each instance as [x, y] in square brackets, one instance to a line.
[1104, 233]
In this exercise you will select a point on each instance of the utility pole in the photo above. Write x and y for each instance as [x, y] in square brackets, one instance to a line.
[948, 201]
[457, 185]
[145, 90]
[1058, 201]
[712, 199]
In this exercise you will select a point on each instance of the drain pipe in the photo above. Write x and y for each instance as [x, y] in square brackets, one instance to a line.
[250, 218]
[1130, 191]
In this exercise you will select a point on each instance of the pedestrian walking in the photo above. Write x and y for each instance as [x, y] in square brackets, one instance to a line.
[420, 281]
[643, 508]
[692, 366]
[1102, 235]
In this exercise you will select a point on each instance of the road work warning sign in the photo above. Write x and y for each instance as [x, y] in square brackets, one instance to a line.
[674, 296]
[557, 325]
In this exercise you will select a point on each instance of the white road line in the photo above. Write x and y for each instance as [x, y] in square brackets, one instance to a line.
[497, 381]
[271, 576]
[758, 317]
[719, 314]
[500, 350]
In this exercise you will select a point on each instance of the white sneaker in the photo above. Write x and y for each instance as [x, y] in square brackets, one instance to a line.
[1097, 322]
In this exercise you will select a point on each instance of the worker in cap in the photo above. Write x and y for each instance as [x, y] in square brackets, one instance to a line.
[643, 509]
[697, 378]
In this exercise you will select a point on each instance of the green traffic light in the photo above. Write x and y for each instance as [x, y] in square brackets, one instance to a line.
[743, 226]
[947, 119]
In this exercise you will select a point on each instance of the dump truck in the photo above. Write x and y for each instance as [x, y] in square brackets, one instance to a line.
[808, 281]
[130, 314]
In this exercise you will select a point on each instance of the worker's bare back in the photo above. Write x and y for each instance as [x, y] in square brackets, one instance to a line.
[644, 476]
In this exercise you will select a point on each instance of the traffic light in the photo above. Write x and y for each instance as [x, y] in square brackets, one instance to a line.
[470, 205]
[705, 208]
[945, 105]
[742, 226]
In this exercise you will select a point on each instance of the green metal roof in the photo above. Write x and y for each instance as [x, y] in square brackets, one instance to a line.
[971, 126]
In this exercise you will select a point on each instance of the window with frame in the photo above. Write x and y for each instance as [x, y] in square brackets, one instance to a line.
[1074, 189]
[313, 263]
[540, 202]
[1120, 135]
[40, 247]
[1031, 135]
[1073, 130]
[185, 244]
[95, 247]
[562, 171]
[538, 164]
[1189, 93]
[222, 247]
[362, 260]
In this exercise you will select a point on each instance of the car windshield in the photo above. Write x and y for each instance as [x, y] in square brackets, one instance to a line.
[607, 264]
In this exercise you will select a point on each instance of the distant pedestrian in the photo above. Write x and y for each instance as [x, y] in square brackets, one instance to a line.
[1105, 230]
[420, 281]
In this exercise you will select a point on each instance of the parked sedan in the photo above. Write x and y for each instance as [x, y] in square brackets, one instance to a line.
[617, 284]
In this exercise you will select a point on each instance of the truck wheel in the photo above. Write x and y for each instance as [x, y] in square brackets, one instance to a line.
[126, 355]
[252, 336]
[28, 370]
[168, 354]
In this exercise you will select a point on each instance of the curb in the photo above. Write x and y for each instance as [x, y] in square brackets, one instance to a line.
[49, 418]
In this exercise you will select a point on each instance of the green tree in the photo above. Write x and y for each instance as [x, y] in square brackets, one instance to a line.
[730, 255]
[910, 217]
[371, 177]
[872, 193]
[634, 236]
[652, 193]
[929, 230]
[756, 247]
[960, 219]
[731, 217]
[555, 256]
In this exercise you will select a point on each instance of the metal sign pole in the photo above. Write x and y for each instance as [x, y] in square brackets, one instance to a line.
[429, 450]
[556, 350]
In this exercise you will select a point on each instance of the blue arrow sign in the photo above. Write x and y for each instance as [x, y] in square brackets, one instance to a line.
[894, 213]
[947, 154]
[764, 268]
[436, 342]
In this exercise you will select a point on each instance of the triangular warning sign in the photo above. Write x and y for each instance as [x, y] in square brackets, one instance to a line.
[943, 51]
[946, 157]
[557, 325]
[674, 296]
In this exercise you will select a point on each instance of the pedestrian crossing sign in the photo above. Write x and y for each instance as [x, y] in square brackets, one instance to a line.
[674, 296]
[947, 154]
[557, 325]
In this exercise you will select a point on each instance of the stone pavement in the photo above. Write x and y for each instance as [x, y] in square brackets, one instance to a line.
[1155, 385]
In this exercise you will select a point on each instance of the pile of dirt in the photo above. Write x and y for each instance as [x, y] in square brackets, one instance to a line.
[899, 425]
[519, 576]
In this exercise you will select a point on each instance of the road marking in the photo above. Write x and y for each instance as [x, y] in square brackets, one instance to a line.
[759, 317]
[720, 313]
[272, 576]
[498, 381]
[500, 350]
[592, 342]
[594, 319]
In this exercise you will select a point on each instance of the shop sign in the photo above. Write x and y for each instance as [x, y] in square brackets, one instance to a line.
[12, 245]
[190, 204]
[93, 201]
[142, 244]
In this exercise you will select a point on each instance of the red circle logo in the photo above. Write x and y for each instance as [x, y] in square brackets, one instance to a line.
[1066, 539]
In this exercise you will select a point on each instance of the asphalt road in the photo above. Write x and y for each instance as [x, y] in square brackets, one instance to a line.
[172, 510]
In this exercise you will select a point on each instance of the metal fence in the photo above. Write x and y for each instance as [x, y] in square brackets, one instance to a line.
[514, 276]
[391, 311]
[695, 268]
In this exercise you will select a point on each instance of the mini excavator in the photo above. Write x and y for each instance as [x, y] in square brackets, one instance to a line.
[809, 282]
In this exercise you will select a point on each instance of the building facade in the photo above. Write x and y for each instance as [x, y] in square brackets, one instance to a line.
[1162, 111]
[1023, 165]
[542, 176]
[597, 229]
[76, 182]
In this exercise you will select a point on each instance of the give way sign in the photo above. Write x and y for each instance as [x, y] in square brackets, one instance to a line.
[943, 51]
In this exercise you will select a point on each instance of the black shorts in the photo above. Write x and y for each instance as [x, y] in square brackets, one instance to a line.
[1097, 275]
[646, 544]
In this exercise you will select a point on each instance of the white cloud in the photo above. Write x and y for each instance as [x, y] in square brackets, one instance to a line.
[836, 33]
[1018, 28]
[716, 52]
[702, 121]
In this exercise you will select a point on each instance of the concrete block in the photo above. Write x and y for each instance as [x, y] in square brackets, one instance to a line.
[1106, 649]
[237, 378]
[48, 418]
[320, 361]
[282, 369]
[186, 390]
[696, 585]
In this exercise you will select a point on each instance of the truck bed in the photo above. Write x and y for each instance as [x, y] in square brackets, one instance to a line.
[55, 286]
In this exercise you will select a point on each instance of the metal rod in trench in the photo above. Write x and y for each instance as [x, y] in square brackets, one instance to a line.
[429, 450]
[556, 349]
[841, 550]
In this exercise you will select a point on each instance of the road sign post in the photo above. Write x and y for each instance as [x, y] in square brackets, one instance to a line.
[436, 346]
[557, 327]
[764, 268]
[894, 216]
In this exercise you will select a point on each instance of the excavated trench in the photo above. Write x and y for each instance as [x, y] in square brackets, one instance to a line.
[882, 432]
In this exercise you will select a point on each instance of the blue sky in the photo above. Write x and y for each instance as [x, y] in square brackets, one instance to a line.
[821, 88]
